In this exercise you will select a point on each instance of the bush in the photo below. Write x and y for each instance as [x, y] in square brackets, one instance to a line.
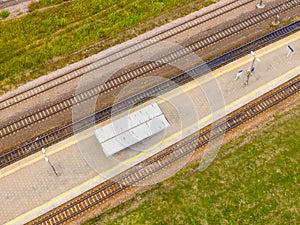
[4, 13]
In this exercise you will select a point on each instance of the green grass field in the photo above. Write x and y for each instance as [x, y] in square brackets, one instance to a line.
[255, 179]
[57, 35]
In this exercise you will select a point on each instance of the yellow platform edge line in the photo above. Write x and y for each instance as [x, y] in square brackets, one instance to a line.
[166, 140]
[182, 90]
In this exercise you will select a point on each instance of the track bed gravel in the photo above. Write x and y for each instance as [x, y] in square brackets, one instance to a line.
[57, 93]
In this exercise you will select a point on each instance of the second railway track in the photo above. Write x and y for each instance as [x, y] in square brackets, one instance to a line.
[9, 3]
[131, 74]
[68, 130]
[78, 72]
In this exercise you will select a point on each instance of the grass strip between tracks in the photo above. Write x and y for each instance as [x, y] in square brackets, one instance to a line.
[254, 179]
[43, 40]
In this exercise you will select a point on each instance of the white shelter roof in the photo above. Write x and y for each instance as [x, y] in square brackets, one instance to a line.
[131, 129]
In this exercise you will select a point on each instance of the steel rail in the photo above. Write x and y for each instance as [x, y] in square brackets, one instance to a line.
[168, 156]
[117, 55]
[66, 131]
[124, 77]
[8, 3]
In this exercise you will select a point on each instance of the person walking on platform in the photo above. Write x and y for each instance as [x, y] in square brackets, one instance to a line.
[248, 74]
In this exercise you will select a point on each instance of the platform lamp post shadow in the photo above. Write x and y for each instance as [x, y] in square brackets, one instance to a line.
[48, 161]
[289, 53]
[260, 5]
[251, 69]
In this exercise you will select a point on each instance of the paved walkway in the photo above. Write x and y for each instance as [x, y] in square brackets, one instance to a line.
[29, 187]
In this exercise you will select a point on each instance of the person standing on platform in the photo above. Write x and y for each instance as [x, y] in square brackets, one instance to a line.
[248, 74]
[239, 74]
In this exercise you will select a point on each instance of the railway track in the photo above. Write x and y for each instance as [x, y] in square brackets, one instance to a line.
[132, 176]
[118, 55]
[141, 70]
[83, 123]
[8, 3]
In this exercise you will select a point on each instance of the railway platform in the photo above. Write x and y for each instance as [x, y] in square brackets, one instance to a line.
[31, 187]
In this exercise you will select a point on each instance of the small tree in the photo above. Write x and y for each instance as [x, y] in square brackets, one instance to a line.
[4, 13]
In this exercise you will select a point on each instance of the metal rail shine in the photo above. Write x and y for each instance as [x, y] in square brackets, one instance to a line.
[123, 77]
[117, 55]
[83, 123]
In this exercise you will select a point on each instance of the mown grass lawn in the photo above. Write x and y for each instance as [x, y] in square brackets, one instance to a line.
[43, 40]
[256, 182]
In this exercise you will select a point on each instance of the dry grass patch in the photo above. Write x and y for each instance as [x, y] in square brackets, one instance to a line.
[29, 43]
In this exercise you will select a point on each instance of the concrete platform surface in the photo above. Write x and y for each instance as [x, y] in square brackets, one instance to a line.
[30, 187]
